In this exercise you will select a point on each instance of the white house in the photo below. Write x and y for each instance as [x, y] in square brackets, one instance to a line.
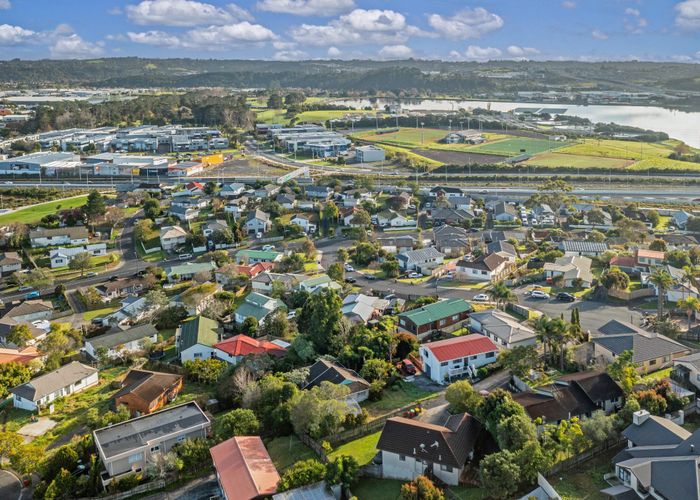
[492, 267]
[232, 190]
[304, 222]
[195, 338]
[257, 222]
[421, 260]
[59, 236]
[10, 262]
[172, 236]
[571, 268]
[41, 391]
[502, 328]
[455, 357]
[117, 343]
[61, 257]
[391, 218]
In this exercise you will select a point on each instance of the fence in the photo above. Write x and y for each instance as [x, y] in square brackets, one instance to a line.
[142, 488]
[634, 294]
[572, 462]
[150, 250]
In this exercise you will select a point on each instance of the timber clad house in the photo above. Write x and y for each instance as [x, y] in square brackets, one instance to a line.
[41, 391]
[145, 392]
[447, 315]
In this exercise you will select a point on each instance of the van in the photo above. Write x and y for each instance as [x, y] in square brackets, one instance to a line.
[184, 256]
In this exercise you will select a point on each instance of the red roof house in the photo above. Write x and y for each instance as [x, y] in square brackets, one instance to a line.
[445, 359]
[235, 348]
[244, 469]
[22, 356]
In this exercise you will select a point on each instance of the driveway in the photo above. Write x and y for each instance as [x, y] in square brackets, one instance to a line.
[199, 489]
[10, 486]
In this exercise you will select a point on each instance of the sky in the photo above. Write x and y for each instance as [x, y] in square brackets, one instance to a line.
[586, 30]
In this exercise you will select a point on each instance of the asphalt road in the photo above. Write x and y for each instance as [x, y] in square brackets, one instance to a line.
[10, 487]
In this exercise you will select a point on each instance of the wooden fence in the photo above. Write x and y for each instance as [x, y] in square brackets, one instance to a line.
[634, 294]
[575, 460]
[140, 489]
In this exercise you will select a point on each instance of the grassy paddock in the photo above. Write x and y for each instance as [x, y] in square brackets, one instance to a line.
[576, 161]
[611, 148]
[32, 215]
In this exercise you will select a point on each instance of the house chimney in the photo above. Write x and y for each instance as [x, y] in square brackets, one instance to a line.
[639, 417]
[692, 448]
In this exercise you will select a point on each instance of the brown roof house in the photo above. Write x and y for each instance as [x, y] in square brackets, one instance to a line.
[492, 267]
[411, 448]
[144, 391]
[325, 370]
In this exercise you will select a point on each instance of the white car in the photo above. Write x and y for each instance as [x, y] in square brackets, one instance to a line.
[268, 248]
[482, 297]
[415, 275]
[349, 268]
[539, 294]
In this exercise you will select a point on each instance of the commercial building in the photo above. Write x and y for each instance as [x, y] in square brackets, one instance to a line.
[35, 163]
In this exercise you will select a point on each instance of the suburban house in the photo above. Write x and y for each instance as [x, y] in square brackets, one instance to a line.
[144, 391]
[686, 371]
[257, 221]
[504, 212]
[304, 222]
[318, 192]
[452, 241]
[502, 328]
[286, 200]
[22, 356]
[651, 351]
[660, 461]
[411, 448]
[196, 337]
[461, 203]
[391, 218]
[117, 343]
[452, 216]
[60, 236]
[504, 249]
[184, 213]
[197, 298]
[492, 267]
[445, 192]
[682, 287]
[447, 315]
[247, 256]
[649, 258]
[10, 262]
[111, 290]
[244, 468]
[398, 244]
[235, 207]
[681, 218]
[574, 395]
[43, 390]
[34, 313]
[132, 309]
[129, 446]
[211, 227]
[258, 306]
[446, 359]
[61, 257]
[584, 248]
[267, 191]
[263, 282]
[360, 308]
[421, 260]
[319, 282]
[171, 237]
[228, 273]
[573, 269]
[187, 271]
[232, 190]
[233, 350]
[325, 370]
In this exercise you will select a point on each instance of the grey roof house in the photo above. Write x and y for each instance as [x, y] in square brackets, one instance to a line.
[423, 259]
[41, 391]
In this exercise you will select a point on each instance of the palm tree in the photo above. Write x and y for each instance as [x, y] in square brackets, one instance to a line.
[543, 333]
[500, 293]
[691, 306]
[560, 334]
[663, 281]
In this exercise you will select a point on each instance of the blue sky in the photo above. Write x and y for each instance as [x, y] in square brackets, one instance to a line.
[346, 29]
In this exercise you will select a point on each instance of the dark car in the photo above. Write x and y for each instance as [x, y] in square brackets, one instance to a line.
[350, 280]
[370, 277]
[408, 367]
[565, 297]
[113, 278]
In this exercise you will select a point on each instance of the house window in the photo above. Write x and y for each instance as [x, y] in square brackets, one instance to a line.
[402, 458]
[667, 359]
[180, 439]
[446, 468]
[490, 354]
[442, 322]
[443, 364]
[652, 362]
[155, 449]
[455, 317]
[136, 457]
[197, 354]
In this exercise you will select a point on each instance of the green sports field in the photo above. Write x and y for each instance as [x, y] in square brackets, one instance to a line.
[517, 146]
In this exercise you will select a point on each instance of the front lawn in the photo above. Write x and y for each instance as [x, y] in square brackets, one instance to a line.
[363, 449]
[397, 396]
[286, 450]
[99, 313]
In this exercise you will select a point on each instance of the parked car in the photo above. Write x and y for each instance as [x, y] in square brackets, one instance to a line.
[113, 278]
[25, 288]
[565, 297]
[482, 297]
[349, 268]
[292, 314]
[184, 256]
[539, 294]
[269, 248]
[33, 295]
[350, 280]
[407, 367]
[414, 275]
[91, 275]
[370, 277]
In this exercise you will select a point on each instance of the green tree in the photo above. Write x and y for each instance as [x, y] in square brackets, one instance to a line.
[302, 473]
[277, 325]
[11, 375]
[653, 217]
[691, 306]
[19, 335]
[336, 272]
[500, 474]
[25, 459]
[500, 293]
[364, 253]
[624, 370]
[194, 453]
[320, 319]
[270, 399]
[80, 262]
[63, 457]
[151, 208]
[238, 422]
[319, 411]
[498, 406]
[615, 279]
[343, 255]
[206, 371]
[513, 432]
[658, 245]
[250, 326]
[598, 428]
[421, 488]
[662, 280]
[390, 267]
[462, 397]
[361, 218]
[520, 359]
[532, 460]
[94, 207]
[308, 249]
[9, 442]
[343, 470]
[62, 486]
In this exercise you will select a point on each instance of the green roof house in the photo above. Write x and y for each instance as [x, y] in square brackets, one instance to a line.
[195, 338]
[253, 256]
[258, 306]
[321, 281]
[183, 272]
[446, 314]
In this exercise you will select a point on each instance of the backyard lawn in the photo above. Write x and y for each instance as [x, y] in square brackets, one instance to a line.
[98, 313]
[34, 214]
[286, 450]
[585, 481]
[363, 449]
[369, 488]
[398, 395]
[657, 375]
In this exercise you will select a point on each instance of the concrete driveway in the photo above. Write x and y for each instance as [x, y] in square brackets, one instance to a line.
[10, 486]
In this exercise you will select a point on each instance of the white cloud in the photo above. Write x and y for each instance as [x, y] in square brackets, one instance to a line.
[568, 4]
[688, 14]
[74, 47]
[517, 51]
[184, 13]
[290, 55]
[156, 38]
[326, 8]
[599, 35]
[681, 58]
[5, 4]
[15, 35]
[481, 53]
[334, 52]
[395, 52]
[281, 45]
[467, 23]
[385, 27]
[633, 21]
[232, 34]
